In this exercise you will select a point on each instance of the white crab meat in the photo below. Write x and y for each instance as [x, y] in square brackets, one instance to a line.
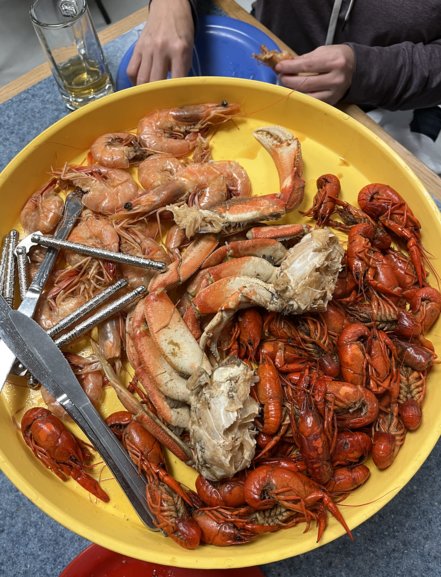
[222, 413]
[305, 281]
[306, 278]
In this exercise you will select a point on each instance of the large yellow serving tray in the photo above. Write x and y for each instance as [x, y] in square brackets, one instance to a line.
[331, 142]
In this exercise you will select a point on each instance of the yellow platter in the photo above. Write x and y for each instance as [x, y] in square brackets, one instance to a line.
[331, 142]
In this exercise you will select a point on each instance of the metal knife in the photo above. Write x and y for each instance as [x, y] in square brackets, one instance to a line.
[41, 356]
[72, 210]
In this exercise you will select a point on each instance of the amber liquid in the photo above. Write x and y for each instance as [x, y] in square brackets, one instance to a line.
[82, 81]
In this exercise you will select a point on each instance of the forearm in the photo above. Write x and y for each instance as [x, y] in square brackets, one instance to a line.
[399, 77]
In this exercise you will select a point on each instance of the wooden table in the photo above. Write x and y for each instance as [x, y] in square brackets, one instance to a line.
[430, 180]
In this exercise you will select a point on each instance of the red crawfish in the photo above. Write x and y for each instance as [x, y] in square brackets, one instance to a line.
[328, 190]
[346, 479]
[351, 347]
[270, 395]
[310, 434]
[389, 435]
[219, 527]
[381, 202]
[167, 499]
[58, 449]
[226, 493]
[355, 406]
[267, 486]
[350, 448]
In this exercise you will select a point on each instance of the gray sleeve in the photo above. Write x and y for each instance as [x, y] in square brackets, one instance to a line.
[398, 77]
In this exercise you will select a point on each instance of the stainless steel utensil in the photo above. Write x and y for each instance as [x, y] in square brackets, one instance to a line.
[72, 210]
[48, 241]
[39, 354]
[9, 279]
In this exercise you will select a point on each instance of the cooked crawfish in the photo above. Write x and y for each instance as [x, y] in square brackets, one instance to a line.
[269, 485]
[323, 206]
[58, 449]
[310, 435]
[383, 203]
[388, 437]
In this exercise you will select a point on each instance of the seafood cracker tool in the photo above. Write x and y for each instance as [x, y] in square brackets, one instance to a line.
[72, 210]
[9, 275]
[81, 312]
[41, 356]
[48, 241]
[106, 312]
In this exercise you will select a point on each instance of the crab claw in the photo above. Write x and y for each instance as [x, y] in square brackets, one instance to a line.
[286, 153]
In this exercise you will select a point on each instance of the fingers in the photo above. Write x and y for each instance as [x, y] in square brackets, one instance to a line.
[159, 69]
[133, 66]
[325, 73]
[149, 63]
[307, 64]
[182, 65]
[165, 44]
[321, 86]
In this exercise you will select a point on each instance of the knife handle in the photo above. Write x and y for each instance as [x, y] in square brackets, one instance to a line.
[114, 455]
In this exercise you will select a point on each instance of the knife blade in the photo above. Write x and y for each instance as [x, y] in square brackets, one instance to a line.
[41, 356]
[72, 210]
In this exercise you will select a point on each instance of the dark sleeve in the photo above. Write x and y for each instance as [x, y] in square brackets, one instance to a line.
[398, 77]
[194, 8]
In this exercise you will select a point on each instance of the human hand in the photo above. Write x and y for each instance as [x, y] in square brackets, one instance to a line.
[165, 44]
[324, 73]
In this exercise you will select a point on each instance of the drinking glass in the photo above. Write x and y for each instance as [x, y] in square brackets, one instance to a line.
[69, 39]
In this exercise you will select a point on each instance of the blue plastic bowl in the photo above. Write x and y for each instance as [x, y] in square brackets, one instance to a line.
[224, 46]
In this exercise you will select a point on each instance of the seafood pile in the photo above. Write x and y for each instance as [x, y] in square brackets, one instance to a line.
[280, 361]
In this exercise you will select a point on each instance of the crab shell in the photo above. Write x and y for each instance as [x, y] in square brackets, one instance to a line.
[222, 417]
[306, 278]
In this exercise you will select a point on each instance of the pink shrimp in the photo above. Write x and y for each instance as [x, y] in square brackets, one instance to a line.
[176, 130]
[158, 169]
[117, 150]
[43, 211]
[107, 189]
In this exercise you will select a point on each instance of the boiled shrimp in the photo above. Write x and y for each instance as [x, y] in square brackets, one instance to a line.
[205, 184]
[139, 239]
[236, 177]
[117, 150]
[110, 340]
[43, 211]
[52, 309]
[175, 130]
[92, 231]
[158, 169]
[106, 189]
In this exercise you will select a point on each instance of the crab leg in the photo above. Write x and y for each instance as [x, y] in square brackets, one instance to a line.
[251, 266]
[171, 334]
[271, 250]
[165, 388]
[142, 414]
[182, 269]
